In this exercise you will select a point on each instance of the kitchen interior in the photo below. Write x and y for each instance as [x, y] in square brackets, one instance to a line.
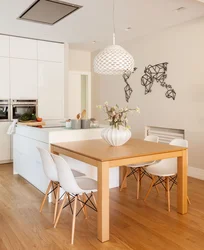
[28, 68]
[135, 159]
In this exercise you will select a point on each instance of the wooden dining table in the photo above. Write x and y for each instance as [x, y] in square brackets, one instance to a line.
[103, 156]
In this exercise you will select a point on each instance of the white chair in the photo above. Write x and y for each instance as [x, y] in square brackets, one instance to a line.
[135, 169]
[165, 171]
[74, 187]
[50, 171]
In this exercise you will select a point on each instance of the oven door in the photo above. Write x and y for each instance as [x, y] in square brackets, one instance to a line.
[19, 110]
[4, 113]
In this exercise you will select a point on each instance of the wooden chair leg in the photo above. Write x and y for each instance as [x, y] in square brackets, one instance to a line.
[56, 202]
[124, 180]
[85, 207]
[168, 192]
[189, 202]
[45, 197]
[138, 184]
[150, 188]
[94, 200]
[60, 211]
[74, 219]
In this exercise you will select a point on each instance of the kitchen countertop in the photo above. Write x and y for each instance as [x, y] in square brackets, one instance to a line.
[57, 134]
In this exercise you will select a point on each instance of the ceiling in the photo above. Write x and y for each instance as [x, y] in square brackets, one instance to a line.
[93, 22]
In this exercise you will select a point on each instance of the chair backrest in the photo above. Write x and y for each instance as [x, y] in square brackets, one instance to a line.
[152, 138]
[172, 163]
[179, 143]
[49, 166]
[65, 175]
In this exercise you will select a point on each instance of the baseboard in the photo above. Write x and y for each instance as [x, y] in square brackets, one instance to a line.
[5, 162]
[197, 173]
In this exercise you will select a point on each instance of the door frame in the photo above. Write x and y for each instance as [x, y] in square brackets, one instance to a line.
[88, 93]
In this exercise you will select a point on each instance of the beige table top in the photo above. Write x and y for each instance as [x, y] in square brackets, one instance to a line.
[99, 150]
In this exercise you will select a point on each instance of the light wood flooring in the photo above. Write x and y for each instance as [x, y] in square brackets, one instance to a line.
[134, 224]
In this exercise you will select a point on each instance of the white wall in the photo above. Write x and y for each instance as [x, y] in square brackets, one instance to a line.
[79, 63]
[183, 48]
[79, 60]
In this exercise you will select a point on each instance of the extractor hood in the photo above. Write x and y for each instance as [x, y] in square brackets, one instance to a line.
[48, 11]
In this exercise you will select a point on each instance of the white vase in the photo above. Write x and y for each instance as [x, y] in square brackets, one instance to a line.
[116, 137]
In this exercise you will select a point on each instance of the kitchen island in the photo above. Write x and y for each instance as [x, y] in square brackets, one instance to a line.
[27, 161]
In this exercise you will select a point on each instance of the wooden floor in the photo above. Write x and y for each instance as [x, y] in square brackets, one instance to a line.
[134, 224]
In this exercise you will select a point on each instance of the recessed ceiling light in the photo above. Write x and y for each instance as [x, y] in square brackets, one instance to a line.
[180, 9]
[128, 29]
[94, 42]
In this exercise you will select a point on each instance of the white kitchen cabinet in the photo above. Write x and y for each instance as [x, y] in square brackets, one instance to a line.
[27, 161]
[5, 142]
[48, 51]
[51, 90]
[23, 79]
[4, 78]
[23, 48]
[4, 46]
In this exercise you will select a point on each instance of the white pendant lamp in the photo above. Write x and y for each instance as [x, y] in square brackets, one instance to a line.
[113, 60]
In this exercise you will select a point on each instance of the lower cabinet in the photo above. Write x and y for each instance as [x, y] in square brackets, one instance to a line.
[27, 161]
[5, 143]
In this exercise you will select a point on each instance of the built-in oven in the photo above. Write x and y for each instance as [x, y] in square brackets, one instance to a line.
[5, 110]
[22, 107]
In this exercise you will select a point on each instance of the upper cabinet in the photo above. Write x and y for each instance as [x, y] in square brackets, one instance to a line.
[52, 52]
[23, 48]
[51, 90]
[4, 46]
[24, 78]
[4, 78]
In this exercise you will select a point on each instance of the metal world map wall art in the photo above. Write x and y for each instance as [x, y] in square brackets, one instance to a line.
[157, 73]
[128, 90]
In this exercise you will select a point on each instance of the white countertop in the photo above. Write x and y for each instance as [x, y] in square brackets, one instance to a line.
[54, 129]
[58, 134]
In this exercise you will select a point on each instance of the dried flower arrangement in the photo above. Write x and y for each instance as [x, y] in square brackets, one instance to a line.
[117, 116]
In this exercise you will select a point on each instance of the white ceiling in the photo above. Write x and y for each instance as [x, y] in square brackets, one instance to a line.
[93, 22]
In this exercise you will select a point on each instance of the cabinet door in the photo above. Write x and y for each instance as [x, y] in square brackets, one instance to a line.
[23, 76]
[5, 142]
[48, 51]
[4, 46]
[51, 90]
[23, 48]
[4, 78]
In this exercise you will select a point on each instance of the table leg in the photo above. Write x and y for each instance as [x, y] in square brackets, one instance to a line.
[182, 183]
[123, 171]
[103, 202]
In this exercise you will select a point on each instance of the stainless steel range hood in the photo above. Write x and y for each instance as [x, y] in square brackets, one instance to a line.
[48, 11]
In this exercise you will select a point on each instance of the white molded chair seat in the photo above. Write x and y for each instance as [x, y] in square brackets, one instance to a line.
[131, 169]
[167, 167]
[50, 171]
[74, 187]
[164, 170]
[86, 184]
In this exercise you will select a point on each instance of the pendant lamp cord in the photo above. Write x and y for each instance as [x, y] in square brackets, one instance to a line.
[113, 22]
